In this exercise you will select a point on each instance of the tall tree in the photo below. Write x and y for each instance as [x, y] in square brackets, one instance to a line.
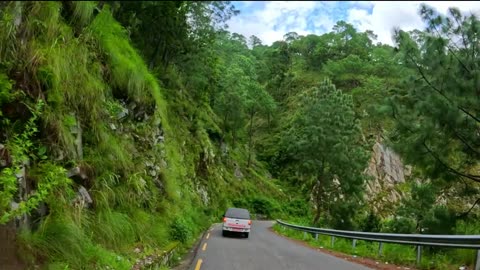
[166, 30]
[438, 110]
[322, 139]
[255, 41]
[257, 101]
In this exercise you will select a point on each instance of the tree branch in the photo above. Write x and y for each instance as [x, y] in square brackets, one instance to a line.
[475, 178]
[464, 141]
[452, 52]
[440, 92]
[465, 214]
[472, 177]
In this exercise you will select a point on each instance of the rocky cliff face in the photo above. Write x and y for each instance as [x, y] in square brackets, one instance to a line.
[387, 173]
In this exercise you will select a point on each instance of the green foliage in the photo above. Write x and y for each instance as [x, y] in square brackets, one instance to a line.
[62, 241]
[207, 107]
[264, 206]
[113, 229]
[435, 109]
[129, 75]
[399, 225]
[51, 183]
[166, 31]
[439, 220]
[372, 223]
[52, 178]
[325, 120]
[6, 94]
[83, 11]
[423, 197]
[260, 205]
[179, 230]
[297, 207]
[8, 35]
[83, 77]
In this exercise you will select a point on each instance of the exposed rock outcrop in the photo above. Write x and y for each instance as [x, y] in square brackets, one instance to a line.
[156, 258]
[203, 193]
[387, 171]
[238, 173]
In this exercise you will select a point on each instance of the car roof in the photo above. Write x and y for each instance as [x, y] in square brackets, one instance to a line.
[237, 213]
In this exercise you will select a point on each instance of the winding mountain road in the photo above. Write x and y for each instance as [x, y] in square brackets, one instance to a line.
[263, 250]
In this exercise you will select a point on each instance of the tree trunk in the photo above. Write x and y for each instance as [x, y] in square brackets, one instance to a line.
[225, 126]
[318, 202]
[317, 217]
[165, 58]
[268, 121]
[154, 54]
[250, 135]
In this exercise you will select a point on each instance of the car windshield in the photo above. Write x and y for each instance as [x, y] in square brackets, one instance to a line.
[237, 213]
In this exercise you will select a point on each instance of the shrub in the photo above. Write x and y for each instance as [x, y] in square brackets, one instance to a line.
[439, 221]
[259, 205]
[264, 206]
[179, 230]
[297, 208]
[399, 225]
[371, 223]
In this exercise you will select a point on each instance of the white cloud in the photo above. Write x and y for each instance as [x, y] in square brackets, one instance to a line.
[386, 16]
[323, 22]
[276, 18]
[247, 3]
[362, 4]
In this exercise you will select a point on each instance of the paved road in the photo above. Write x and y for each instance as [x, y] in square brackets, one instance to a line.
[263, 250]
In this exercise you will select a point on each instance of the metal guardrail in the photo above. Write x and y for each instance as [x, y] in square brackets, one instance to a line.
[419, 240]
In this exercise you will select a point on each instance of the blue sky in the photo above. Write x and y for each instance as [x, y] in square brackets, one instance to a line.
[270, 20]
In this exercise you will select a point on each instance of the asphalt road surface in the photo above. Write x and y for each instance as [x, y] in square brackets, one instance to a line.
[263, 250]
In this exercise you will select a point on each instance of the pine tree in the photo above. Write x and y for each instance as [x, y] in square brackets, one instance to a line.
[323, 140]
[437, 110]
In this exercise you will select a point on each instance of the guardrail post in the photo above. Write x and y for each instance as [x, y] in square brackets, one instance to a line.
[304, 235]
[477, 261]
[380, 246]
[333, 240]
[354, 243]
[419, 254]
[316, 237]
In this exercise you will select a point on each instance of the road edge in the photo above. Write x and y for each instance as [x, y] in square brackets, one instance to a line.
[364, 261]
[189, 258]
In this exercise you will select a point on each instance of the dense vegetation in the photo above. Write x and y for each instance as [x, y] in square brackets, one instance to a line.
[164, 119]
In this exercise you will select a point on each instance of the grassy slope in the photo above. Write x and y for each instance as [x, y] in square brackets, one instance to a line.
[87, 72]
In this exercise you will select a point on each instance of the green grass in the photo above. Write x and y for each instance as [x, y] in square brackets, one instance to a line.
[82, 66]
[128, 71]
[83, 11]
[392, 253]
[63, 243]
[113, 229]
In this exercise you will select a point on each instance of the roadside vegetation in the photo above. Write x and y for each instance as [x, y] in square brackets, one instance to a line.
[401, 255]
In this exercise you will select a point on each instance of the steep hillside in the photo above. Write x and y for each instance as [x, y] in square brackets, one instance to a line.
[101, 163]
